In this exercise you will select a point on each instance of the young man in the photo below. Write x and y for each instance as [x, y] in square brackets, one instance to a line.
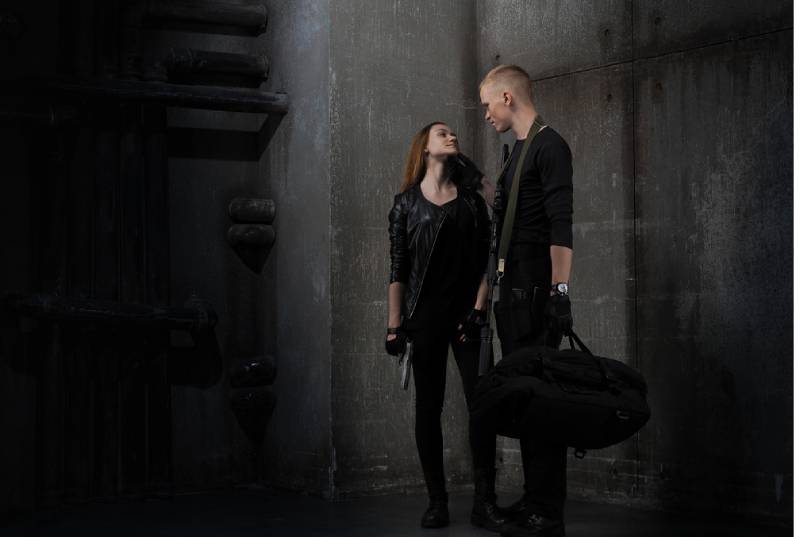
[533, 304]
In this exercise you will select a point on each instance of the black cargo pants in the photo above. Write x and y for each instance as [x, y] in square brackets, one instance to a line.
[519, 315]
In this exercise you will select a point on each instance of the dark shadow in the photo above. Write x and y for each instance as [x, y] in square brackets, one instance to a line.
[201, 28]
[253, 256]
[194, 361]
[213, 144]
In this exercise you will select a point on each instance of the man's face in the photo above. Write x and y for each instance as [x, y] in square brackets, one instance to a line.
[496, 111]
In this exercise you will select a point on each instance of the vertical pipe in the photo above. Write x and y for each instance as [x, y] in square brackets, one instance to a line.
[51, 181]
[155, 208]
[131, 275]
[79, 272]
[107, 44]
[104, 286]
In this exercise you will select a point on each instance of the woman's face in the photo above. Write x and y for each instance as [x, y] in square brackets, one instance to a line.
[442, 142]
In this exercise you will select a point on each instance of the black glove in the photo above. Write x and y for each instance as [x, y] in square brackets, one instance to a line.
[559, 313]
[471, 324]
[397, 346]
[470, 174]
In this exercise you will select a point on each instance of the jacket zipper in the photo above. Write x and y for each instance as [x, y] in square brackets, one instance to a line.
[427, 262]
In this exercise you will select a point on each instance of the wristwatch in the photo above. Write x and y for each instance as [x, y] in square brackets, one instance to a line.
[560, 288]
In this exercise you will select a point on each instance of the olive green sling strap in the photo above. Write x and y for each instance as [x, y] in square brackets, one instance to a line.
[511, 208]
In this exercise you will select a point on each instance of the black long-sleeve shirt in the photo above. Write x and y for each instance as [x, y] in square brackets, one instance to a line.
[544, 206]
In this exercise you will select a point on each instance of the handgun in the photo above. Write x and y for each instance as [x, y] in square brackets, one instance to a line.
[405, 364]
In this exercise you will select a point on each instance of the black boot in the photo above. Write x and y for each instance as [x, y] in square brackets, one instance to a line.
[517, 511]
[535, 525]
[437, 515]
[485, 513]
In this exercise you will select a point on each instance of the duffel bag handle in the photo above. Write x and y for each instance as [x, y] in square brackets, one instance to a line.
[600, 364]
[573, 338]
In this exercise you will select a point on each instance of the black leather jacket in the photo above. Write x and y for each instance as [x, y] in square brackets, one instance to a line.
[414, 224]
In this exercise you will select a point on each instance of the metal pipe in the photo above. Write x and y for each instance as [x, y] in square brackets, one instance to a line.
[191, 61]
[250, 17]
[204, 97]
[49, 116]
[194, 315]
[251, 210]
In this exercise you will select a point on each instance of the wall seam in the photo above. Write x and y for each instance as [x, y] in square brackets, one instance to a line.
[331, 488]
[662, 55]
[476, 75]
[637, 479]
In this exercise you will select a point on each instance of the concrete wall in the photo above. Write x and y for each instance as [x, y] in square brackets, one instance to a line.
[273, 312]
[678, 115]
[395, 67]
[296, 172]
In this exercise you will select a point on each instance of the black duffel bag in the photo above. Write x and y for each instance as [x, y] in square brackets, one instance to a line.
[569, 396]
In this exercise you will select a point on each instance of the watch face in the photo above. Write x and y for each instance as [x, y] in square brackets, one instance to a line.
[562, 288]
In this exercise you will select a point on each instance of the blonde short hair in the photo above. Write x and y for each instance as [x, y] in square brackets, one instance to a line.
[512, 77]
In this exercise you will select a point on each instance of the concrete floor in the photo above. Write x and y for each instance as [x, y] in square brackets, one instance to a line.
[245, 513]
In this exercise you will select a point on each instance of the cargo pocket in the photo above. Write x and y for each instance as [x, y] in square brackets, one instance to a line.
[537, 306]
[522, 303]
[514, 315]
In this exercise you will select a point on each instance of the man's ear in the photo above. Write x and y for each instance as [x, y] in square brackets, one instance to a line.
[507, 98]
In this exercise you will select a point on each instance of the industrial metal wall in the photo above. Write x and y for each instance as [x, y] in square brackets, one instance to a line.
[95, 209]
[395, 67]
[296, 170]
[679, 118]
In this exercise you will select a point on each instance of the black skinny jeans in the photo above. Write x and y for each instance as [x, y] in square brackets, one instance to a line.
[519, 314]
[430, 368]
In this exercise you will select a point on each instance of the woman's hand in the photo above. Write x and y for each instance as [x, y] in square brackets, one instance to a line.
[470, 327]
[470, 173]
[396, 341]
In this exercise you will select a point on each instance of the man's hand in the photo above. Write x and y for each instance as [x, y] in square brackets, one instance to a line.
[396, 342]
[559, 312]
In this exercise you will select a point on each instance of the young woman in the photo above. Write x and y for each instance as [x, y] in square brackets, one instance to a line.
[439, 234]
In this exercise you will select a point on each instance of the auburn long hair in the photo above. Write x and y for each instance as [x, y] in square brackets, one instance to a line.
[415, 160]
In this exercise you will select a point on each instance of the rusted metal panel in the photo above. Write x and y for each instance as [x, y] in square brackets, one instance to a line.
[663, 26]
[713, 203]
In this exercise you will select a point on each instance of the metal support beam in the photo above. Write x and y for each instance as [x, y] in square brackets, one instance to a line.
[204, 97]
[183, 63]
[195, 315]
[252, 18]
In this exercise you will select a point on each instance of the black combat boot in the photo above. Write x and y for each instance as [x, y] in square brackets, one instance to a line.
[485, 513]
[517, 511]
[535, 525]
[437, 515]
